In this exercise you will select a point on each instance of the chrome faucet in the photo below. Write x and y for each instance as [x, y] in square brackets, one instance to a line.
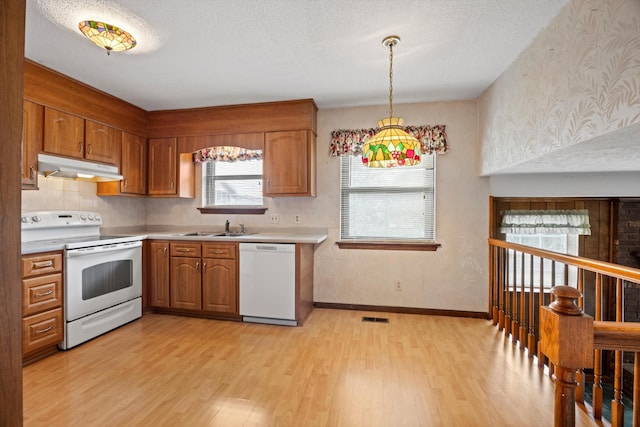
[226, 226]
[241, 228]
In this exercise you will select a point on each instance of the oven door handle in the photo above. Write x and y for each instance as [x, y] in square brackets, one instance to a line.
[93, 250]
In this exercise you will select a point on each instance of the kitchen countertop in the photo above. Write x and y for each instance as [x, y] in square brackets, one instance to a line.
[266, 235]
[260, 235]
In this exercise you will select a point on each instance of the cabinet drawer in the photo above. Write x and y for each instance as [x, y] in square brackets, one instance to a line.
[41, 264]
[41, 330]
[227, 251]
[41, 293]
[185, 249]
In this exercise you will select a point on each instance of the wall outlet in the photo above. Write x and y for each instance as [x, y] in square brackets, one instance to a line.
[297, 219]
[398, 286]
[275, 219]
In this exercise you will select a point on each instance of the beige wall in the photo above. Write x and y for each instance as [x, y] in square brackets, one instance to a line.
[578, 80]
[453, 278]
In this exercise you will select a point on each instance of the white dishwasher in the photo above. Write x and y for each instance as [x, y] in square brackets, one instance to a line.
[268, 283]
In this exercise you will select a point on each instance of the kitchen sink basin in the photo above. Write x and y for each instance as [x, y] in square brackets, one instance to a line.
[216, 234]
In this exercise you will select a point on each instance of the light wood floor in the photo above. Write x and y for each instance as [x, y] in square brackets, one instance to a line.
[336, 370]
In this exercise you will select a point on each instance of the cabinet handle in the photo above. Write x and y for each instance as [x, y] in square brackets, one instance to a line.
[204, 267]
[32, 172]
[42, 331]
[164, 251]
[90, 148]
[197, 266]
[43, 264]
[125, 183]
[172, 185]
[80, 146]
[42, 294]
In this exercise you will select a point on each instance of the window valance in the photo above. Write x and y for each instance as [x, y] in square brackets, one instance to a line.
[345, 142]
[546, 222]
[226, 154]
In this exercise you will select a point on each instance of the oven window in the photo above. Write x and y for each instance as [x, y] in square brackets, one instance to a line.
[105, 278]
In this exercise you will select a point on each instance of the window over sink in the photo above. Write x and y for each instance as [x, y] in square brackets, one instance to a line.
[232, 184]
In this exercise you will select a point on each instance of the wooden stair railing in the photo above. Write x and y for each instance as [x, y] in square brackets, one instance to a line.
[519, 293]
[568, 338]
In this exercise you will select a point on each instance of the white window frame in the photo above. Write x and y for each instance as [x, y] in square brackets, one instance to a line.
[428, 189]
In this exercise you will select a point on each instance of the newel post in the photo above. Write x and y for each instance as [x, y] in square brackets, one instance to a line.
[566, 338]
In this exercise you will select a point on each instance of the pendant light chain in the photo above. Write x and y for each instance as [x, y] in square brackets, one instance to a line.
[391, 79]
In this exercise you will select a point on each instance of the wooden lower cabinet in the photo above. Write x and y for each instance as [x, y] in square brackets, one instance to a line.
[186, 283]
[158, 274]
[42, 302]
[220, 285]
[194, 277]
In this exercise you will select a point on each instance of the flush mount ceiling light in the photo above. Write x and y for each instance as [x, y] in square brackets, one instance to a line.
[107, 36]
[391, 146]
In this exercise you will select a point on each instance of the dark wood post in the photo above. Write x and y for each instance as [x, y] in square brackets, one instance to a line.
[566, 338]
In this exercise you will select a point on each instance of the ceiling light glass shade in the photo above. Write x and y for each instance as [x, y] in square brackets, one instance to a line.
[391, 146]
[107, 36]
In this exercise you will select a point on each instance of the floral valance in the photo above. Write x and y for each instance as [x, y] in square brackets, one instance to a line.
[226, 154]
[346, 142]
[546, 222]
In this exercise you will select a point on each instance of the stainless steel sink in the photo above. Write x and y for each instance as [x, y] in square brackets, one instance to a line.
[216, 234]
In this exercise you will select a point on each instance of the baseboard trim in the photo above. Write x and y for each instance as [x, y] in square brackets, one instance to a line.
[403, 310]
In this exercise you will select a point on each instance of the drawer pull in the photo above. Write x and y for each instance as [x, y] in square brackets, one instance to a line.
[43, 294]
[42, 331]
[183, 250]
[217, 252]
[43, 264]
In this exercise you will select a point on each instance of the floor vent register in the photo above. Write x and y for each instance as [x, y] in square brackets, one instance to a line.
[375, 319]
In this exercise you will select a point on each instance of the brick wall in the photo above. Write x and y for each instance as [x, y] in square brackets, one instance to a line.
[627, 253]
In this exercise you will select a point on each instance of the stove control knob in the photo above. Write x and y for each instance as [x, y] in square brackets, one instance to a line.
[97, 218]
[36, 218]
[25, 219]
[83, 217]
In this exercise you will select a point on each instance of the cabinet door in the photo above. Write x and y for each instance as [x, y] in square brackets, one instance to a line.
[162, 165]
[220, 285]
[186, 288]
[63, 133]
[159, 274]
[133, 164]
[102, 143]
[32, 134]
[289, 163]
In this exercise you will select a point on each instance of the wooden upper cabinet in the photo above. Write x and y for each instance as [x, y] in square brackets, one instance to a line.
[171, 174]
[133, 167]
[73, 136]
[133, 164]
[289, 167]
[162, 165]
[102, 143]
[32, 134]
[63, 133]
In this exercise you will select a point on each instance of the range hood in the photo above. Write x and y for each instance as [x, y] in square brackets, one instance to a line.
[62, 167]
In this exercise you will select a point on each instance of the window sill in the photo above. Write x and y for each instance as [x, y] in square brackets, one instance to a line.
[389, 245]
[248, 210]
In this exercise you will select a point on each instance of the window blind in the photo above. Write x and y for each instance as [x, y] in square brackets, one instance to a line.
[232, 183]
[387, 204]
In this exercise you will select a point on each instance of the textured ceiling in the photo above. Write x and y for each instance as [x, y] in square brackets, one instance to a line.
[194, 53]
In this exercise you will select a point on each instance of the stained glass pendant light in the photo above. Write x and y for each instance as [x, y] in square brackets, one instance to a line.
[107, 36]
[391, 146]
